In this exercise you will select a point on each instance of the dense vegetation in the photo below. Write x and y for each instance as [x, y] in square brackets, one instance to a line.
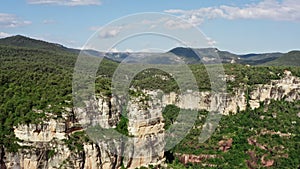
[275, 127]
[291, 58]
[35, 81]
[31, 80]
[22, 41]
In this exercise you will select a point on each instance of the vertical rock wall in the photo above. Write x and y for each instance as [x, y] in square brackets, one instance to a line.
[46, 141]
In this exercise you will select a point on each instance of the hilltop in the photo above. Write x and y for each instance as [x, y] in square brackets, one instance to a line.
[291, 58]
[26, 42]
[175, 55]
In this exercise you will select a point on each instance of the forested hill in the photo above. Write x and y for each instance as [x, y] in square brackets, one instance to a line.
[22, 41]
[36, 85]
[291, 58]
[188, 55]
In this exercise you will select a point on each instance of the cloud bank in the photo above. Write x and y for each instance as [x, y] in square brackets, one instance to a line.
[287, 10]
[110, 32]
[66, 2]
[11, 21]
[4, 35]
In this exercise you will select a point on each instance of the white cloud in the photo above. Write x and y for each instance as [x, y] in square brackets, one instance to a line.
[177, 24]
[66, 2]
[211, 42]
[11, 21]
[128, 50]
[167, 22]
[110, 32]
[287, 10]
[4, 35]
[114, 50]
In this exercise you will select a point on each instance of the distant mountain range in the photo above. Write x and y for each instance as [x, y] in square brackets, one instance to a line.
[179, 54]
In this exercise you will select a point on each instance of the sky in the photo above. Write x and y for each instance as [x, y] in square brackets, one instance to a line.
[238, 26]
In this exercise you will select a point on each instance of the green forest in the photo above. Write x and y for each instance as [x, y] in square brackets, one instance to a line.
[260, 124]
[36, 81]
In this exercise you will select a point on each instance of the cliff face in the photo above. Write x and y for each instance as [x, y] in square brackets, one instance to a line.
[287, 88]
[147, 128]
[47, 142]
[221, 102]
[104, 111]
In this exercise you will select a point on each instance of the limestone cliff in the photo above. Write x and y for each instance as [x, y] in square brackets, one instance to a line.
[146, 125]
[46, 144]
[287, 88]
[221, 102]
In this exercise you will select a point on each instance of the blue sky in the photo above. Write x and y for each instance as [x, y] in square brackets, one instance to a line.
[240, 26]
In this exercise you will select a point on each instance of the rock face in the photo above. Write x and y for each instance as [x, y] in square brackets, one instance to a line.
[37, 156]
[147, 128]
[104, 111]
[287, 88]
[48, 141]
[41, 132]
[223, 103]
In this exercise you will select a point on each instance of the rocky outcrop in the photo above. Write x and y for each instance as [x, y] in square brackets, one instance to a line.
[47, 142]
[221, 102]
[37, 156]
[146, 125]
[44, 132]
[287, 88]
[190, 158]
[93, 158]
[225, 145]
[102, 110]
[266, 163]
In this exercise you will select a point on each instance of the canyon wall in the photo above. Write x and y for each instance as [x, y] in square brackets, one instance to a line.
[46, 145]
[287, 88]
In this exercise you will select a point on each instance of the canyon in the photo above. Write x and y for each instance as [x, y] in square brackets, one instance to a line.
[45, 144]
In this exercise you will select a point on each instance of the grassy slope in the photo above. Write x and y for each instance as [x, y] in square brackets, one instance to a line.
[290, 59]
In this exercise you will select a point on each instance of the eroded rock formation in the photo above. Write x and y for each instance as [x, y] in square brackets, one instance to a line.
[46, 142]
